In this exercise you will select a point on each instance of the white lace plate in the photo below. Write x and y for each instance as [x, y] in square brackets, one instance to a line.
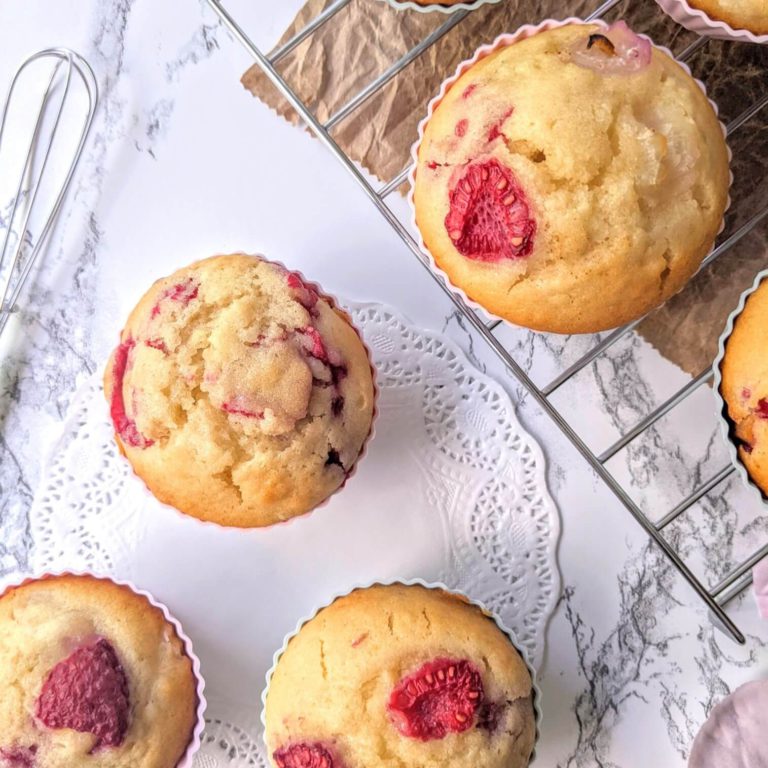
[452, 490]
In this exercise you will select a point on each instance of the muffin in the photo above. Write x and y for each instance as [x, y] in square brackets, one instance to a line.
[739, 14]
[400, 676]
[239, 394]
[744, 386]
[91, 674]
[573, 180]
[734, 734]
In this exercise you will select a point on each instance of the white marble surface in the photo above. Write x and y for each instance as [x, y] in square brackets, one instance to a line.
[182, 162]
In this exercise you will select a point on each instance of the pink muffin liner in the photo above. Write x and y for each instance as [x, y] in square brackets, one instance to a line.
[406, 5]
[699, 22]
[408, 582]
[502, 41]
[337, 305]
[197, 731]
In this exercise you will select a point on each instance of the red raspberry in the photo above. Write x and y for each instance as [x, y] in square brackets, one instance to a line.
[312, 342]
[305, 295]
[87, 692]
[489, 219]
[158, 344]
[461, 127]
[762, 408]
[182, 293]
[441, 697]
[304, 755]
[237, 409]
[18, 757]
[495, 129]
[124, 425]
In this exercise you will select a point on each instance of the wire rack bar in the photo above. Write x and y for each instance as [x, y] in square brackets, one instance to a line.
[602, 10]
[387, 189]
[656, 414]
[740, 570]
[305, 32]
[484, 328]
[395, 69]
[691, 499]
[687, 52]
[735, 590]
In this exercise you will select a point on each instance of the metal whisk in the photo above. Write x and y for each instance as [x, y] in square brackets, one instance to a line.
[63, 72]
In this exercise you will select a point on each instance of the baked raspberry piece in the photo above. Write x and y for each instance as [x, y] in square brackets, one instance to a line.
[87, 692]
[181, 293]
[489, 218]
[124, 425]
[305, 755]
[18, 757]
[441, 697]
[305, 295]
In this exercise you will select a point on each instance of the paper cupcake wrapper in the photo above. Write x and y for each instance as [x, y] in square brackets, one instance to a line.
[406, 5]
[197, 731]
[727, 426]
[502, 41]
[699, 22]
[409, 582]
[363, 450]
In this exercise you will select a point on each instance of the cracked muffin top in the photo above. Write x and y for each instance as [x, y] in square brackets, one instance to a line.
[572, 181]
[744, 385]
[91, 674]
[238, 393]
[397, 675]
[740, 14]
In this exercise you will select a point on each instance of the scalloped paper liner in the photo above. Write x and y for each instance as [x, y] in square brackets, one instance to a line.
[407, 5]
[727, 426]
[502, 41]
[187, 759]
[337, 306]
[699, 22]
[408, 582]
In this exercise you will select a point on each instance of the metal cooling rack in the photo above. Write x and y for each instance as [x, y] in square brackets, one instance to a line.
[716, 597]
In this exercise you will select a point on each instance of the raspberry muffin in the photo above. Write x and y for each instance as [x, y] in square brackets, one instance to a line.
[734, 734]
[744, 385]
[238, 393]
[400, 675]
[573, 180]
[739, 14]
[91, 674]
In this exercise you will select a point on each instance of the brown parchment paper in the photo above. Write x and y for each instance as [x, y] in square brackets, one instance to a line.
[364, 39]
